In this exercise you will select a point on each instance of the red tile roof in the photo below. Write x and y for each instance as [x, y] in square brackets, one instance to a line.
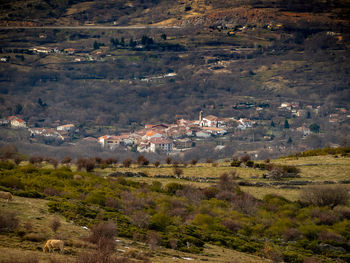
[160, 141]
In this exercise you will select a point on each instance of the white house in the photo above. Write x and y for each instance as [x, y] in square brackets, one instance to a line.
[45, 132]
[152, 134]
[161, 144]
[203, 134]
[16, 122]
[209, 121]
[66, 127]
[244, 124]
[286, 105]
[215, 131]
[112, 141]
[305, 130]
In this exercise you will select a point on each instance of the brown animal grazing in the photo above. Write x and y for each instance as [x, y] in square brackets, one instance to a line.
[53, 244]
[6, 195]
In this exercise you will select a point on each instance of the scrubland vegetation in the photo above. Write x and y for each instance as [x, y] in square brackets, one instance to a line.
[179, 215]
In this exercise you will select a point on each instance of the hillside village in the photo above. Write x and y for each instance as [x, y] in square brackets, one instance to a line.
[184, 134]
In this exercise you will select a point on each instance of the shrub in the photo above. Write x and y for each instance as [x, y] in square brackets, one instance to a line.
[89, 165]
[35, 237]
[236, 163]
[342, 211]
[53, 162]
[98, 160]
[103, 230]
[97, 198]
[113, 203]
[80, 163]
[245, 203]
[210, 192]
[194, 161]
[36, 159]
[272, 253]
[245, 158]
[160, 221]
[325, 217]
[249, 163]
[50, 191]
[8, 221]
[276, 173]
[140, 219]
[177, 171]
[291, 256]
[17, 160]
[6, 166]
[12, 182]
[168, 160]
[55, 224]
[172, 188]
[141, 160]
[290, 169]
[66, 160]
[156, 163]
[291, 234]
[226, 182]
[327, 236]
[153, 239]
[127, 162]
[310, 231]
[325, 195]
[231, 224]
[29, 193]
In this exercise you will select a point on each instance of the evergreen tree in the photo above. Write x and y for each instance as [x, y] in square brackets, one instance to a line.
[96, 45]
[286, 124]
[132, 43]
[308, 115]
[314, 128]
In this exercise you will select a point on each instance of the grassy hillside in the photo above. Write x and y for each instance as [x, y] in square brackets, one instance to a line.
[35, 220]
[228, 210]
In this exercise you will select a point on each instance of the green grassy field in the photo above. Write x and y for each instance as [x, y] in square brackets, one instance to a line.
[316, 169]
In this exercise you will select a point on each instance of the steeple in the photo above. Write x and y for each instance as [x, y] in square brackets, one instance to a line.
[201, 115]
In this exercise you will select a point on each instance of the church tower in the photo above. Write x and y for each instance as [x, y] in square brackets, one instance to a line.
[201, 115]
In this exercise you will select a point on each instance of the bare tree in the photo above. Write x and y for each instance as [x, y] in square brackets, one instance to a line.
[325, 195]
[55, 224]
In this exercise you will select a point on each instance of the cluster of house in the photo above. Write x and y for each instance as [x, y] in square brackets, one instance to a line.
[168, 137]
[296, 110]
[61, 132]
